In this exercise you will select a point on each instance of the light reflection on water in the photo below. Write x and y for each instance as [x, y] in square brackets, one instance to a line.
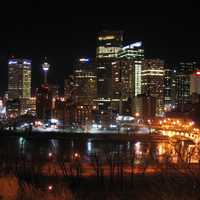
[63, 149]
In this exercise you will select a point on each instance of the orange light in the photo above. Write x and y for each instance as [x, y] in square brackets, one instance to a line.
[137, 114]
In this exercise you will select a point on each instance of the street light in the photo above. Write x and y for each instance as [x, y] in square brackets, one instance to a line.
[137, 114]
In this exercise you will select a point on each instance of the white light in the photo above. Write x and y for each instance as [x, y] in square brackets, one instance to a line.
[54, 121]
[119, 118]
[124, 118]
[113, 126]
[45, 66]
[50, 187]
[89, 146]
[50, 154]
[27, 63]
[136, 44]
[84, 59]
[12, 62]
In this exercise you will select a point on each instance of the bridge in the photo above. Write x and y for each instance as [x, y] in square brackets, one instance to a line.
[183, 129]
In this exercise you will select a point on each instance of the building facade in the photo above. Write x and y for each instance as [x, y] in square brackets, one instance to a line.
[169, 89]
[153, 82]
[19, 78]
[44, 102]
[134, 54]
[184, 72]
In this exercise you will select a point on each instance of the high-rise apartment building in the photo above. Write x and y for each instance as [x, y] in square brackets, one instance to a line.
[19, 78]
[153, 81]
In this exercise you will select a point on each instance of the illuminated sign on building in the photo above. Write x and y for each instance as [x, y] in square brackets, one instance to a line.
[27, 63]
[84, 59]
[131, 46]
[108, 37]
[12, 62]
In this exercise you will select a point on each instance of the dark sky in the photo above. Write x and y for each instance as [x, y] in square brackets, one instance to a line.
[173, 38]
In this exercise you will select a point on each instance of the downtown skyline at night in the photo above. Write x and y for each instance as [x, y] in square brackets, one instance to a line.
[99, 107]
[171, 39]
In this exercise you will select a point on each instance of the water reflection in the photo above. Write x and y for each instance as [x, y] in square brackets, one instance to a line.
[21, 144]
[38, 150]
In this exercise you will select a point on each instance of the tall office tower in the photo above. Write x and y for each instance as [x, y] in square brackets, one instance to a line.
[85, 91]
[109, 43]
[122, 74]
[85, 81]
[19, 78]
[169, 88]
[153, 81]
[184, 71]
[134, 53]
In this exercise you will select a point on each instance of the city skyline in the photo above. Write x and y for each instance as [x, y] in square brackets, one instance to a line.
[64, 43]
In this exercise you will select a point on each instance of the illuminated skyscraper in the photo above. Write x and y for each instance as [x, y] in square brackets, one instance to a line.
[85, 81]
[19, 78]
[122, 90]
[109, 43]
[169, 88]
[134, 54]
[84, 89]
[153, 81]
[184, 71]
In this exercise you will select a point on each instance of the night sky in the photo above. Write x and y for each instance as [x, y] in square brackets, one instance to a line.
[172, 38]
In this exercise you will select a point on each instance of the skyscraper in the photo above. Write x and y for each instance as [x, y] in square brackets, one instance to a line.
[184, 71]
[19, 78]
[84, 89]
[122, 90]
[153, 81]
[169, 88]
[85, 81]
[134, 53]
[109, 43]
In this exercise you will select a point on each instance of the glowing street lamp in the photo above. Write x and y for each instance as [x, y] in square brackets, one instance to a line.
[137, 114]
